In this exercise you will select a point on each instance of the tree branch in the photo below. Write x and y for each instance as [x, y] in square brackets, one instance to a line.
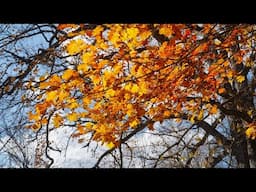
[135, 131]
[48, 142]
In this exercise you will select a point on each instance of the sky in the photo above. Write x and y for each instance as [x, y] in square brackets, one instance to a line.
[31, 44]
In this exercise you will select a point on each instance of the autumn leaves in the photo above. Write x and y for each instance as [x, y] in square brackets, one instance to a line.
[124, 74]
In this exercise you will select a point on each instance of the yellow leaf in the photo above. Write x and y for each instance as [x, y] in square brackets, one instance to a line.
[143, 87]
[114, 38]
[250, 112]
[83, 67]
[140, 71]
[145, 35]
[86, 100]
[127, 96]
[75, 46]
[72, 117]
[129, 106]
[101, 128]
[89, 125]
[134, 123]
[109, 75]
[88, 58]
[166, 30]
[226, 63]
[95, 79]
[200, 115]
[43, 85]
[97, 31]
[128, 86]
[251, 131]
[143, 77]
[83, 114]
[117, 68]
[174, 73]
[240, 78]
[165, 50]
[63, 95]
[130, 110]
[104, 82]
[57, 120]
[133, 53]
[67, 74]
[134, 88]
[132, 32]
[133, 70]
[72, 104]
[51, 96]
[217, 42]
[229, 74]
[32, 116]
[110, 145]
[110, 93]
[192, 118]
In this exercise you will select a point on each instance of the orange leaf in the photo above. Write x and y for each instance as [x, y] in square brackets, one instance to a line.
[201, 48]
[68, 74]
[214, 109]
[64, 26]
[221, 90]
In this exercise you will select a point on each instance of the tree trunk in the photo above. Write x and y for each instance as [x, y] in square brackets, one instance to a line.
[252, 153]
[239, 147]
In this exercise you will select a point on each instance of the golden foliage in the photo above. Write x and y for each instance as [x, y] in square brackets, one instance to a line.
[240, 78]
[72, 117]
[130, 72]
[251, 130]
[57, 120]
[75, 46]
[68, 74]
[214, 109]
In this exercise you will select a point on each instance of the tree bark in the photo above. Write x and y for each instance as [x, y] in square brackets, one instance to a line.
[239, 146]
[252, 153]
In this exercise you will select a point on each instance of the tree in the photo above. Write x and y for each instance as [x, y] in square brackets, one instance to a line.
[192, 85]
[23, 54]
